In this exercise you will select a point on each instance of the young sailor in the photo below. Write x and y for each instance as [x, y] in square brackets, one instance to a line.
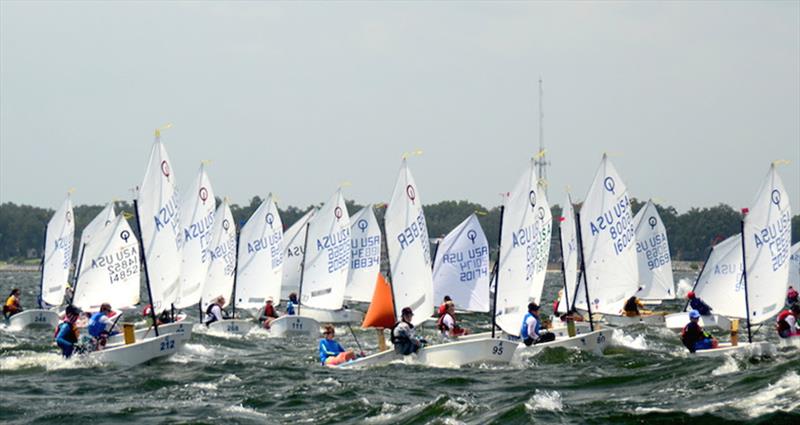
[214, 312]
[99, 323]
[531, 332]
[12, 305]
[331, 353]
[268, 314]
[791, 296]
[786, 323]
[443, 306]
[403, 338]
[698, 304]
[447, 323]
[290, 305]
[634, 308]
[694, 337]
[67, 333]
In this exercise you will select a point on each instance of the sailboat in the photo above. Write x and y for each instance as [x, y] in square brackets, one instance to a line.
[56, 262]
[109, 272]
[652, 249]
[365, 255]
[765, 250]
[293, 244]
[412, 286]
[461, 267]
[326, 262]
[221, 272]
[197, 220]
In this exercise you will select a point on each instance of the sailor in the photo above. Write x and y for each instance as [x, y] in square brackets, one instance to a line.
[13, 304]
[214, 312]
[99, 323]
[443, 306]
[67, 333]
[268, 314]
[402, 335]
[557, 301]
[331, 353]
[531, 332]
[698, 304]
[447, 323]
[694, 337]
[786, 323]
[791, 296]
[634, 308]
[290, 305]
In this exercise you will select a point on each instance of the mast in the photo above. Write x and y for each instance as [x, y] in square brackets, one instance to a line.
[235, 274]
[583, 269]
[563, 271]
[302, 269]
[541, 161]
[77, 274]
[144, 265]
[744, 277]
[697, 280]
[497, 271]
[41, 267]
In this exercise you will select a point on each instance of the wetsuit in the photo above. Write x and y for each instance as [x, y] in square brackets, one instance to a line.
[700, 306]
[329, 349]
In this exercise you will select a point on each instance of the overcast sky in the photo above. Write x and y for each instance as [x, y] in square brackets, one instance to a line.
[692, 100]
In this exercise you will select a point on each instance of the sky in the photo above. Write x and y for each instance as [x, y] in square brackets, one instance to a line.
[691, 100]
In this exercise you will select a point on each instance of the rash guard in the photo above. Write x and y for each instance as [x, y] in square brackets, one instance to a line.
[329, 348]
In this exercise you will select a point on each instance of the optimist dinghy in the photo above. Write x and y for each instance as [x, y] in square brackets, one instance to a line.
[56, 262]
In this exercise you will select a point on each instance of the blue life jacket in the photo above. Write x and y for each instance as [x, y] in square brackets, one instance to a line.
[523, 332]
[290, 308]
[96, 327]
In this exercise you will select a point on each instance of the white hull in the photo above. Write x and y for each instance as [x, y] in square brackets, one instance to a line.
[756, 349]
[652, 302]
[621, 321]
[451, 354]
[232, 326]
[792, 341]
[344, 315]
[140, 351]
[677, 321]
[594, 342]
[559, 331]
[294, 326]
[33, 319]
[181, 330]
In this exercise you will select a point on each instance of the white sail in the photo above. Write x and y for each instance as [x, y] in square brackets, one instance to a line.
[327, 258]
[409, 249]
[365, 255]
[293, 240]
[159, 217]
[103, 218]
[523, 221]
[110, 271]
[222, 257]
[461, 267]
[544, 226]
[794, 267]
[260, 269]
[569, 253]
[609, 242]
[197, 219]
[768, 237]
[652, 250]
[720, 285]
[58, 254]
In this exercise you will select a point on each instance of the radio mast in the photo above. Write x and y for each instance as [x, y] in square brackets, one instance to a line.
[541, 161]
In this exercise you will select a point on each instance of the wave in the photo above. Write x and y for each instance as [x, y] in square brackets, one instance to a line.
[545, 400]
[783, 395]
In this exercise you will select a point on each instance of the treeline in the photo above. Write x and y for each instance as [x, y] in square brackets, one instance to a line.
[690, 234]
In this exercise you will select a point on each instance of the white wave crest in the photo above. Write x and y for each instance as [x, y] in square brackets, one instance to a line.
[246, 411]
[783, 395]
[545, 400]
[49, 361]
[620, 338]
[683, 287]
[730, 366]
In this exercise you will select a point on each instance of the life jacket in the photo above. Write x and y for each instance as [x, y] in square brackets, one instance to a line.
[781, 324]
[440, 323]
[96, 327]
[399, 339]
[210, 317]
[71, 336]
[555, 306]
[269, 311]
[523, 332]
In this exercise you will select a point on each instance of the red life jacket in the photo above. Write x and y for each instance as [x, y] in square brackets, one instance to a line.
[782, 324]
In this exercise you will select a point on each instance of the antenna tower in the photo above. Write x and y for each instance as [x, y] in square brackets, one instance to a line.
[541, 161]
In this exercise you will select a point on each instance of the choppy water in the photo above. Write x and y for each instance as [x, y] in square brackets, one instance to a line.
[646, 377]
